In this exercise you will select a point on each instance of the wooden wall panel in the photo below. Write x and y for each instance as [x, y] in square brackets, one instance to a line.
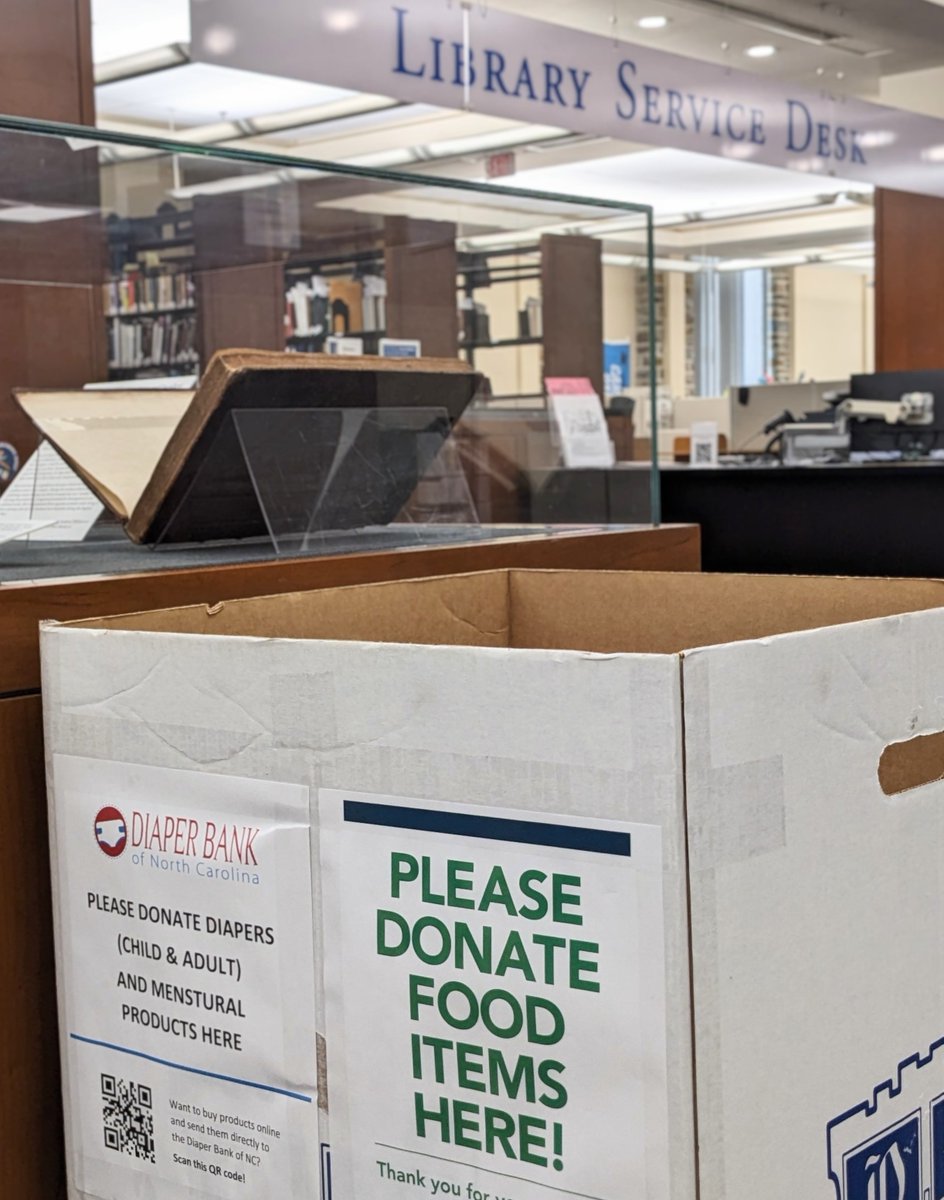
[572, 306]
[53, 336]
[241, 307]
[909, 281]
[48, 340]
[422, 301]
[46, 60]
[31, 1151]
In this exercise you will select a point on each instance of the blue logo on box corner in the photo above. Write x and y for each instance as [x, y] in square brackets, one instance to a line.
[889, 1166]
[890, 1146]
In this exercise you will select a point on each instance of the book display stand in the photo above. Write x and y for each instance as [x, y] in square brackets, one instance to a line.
[268, 445]
[317, 472]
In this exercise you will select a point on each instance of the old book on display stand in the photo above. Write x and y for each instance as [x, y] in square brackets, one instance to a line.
[267, 443]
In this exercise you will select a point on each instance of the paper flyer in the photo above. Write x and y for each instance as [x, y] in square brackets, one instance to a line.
[495, 990]
[187, 968]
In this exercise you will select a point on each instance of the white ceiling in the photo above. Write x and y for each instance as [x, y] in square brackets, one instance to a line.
[677, 181]
[121, 27]
[201, 93]
[447, 142]
[848, 46]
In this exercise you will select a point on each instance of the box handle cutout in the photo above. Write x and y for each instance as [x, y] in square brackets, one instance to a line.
[911, 764]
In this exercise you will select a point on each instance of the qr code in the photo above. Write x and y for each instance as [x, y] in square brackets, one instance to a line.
[703, 452]
[128, 1117]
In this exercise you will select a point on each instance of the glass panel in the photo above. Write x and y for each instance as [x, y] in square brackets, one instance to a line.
[130, 262]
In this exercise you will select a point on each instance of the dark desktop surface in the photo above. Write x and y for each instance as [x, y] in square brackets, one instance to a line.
[840, 519]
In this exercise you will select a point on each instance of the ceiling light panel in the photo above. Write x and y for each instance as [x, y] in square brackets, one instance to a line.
[201, 93]
[123, 27]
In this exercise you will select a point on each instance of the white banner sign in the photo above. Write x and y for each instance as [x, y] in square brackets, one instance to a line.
[495, 991]
[187, 982]
[457, 56]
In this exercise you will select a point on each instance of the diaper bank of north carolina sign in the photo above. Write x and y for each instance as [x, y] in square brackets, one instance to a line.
[433, 52]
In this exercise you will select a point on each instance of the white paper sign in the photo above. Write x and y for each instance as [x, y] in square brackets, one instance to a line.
[48, 491]
[704, 444]
[187, 969]
[345, 345]
[495, 1003]
[581, 424]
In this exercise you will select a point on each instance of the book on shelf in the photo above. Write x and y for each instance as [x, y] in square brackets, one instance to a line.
[142, 290]
[306, 308]
[317, 308]
[167, 340]
[530, 322]
[345, 307]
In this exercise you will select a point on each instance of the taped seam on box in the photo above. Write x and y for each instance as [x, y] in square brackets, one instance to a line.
[740, 808]
[744, 814]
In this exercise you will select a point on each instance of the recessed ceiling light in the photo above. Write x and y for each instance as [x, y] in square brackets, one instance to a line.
[652, 22]
[764, 51]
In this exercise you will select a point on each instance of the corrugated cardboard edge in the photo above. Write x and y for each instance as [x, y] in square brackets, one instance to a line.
[623, 611]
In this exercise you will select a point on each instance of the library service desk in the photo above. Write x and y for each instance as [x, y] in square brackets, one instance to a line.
[49, 581]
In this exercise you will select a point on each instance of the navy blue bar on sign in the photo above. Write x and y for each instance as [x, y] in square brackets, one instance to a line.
[498, 829]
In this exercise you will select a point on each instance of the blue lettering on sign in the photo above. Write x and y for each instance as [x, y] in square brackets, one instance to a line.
[827, 141]
[626, 107]
[401, 68]
[499, 72]
[889, 1166]
[798, 118]
[548, 83]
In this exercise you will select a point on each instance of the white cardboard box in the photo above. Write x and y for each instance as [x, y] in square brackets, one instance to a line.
[682, 784]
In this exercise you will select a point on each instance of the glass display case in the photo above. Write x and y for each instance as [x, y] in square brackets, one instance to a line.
[249, 355]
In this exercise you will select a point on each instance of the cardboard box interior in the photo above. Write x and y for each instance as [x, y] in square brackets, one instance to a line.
[603, 612]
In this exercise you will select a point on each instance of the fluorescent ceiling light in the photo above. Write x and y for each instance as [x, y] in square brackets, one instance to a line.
[653, 22]
[875, 139]
[39, 214]
[684, 265]
[752, 264]
[243, 183]
[122, 27]
[482, 143]
[853, 252]
[765, 50]
[143, 62]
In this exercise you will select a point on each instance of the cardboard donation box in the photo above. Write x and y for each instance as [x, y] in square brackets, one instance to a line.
[518, 885]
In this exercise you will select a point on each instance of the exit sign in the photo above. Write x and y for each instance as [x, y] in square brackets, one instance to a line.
[499, 165]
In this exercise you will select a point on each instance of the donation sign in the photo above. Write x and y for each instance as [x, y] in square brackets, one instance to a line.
[495, 1003]
[187, 972]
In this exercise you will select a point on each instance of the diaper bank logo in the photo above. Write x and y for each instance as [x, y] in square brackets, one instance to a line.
[111, 832]
[891, 1145]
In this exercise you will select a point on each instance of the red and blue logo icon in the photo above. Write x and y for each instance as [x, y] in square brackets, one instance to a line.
[111, 832]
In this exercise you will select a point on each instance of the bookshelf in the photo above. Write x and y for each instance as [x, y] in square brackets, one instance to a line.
[564, 320]
[149, 299]
[185, 283]
[343, 296]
